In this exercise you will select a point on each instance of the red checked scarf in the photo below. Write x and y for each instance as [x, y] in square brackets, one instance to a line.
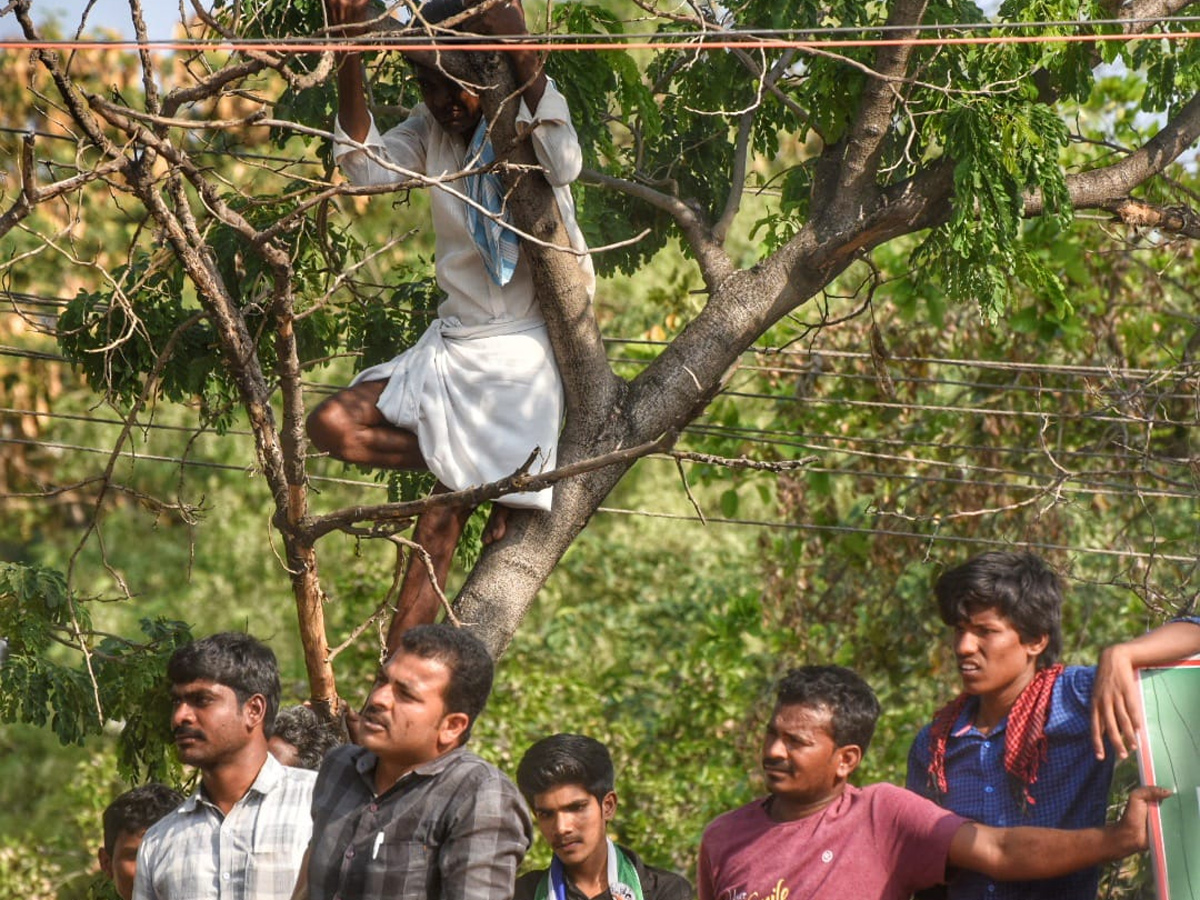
[1024, 741]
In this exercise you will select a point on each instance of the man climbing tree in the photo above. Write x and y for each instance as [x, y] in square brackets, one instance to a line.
[479, 396]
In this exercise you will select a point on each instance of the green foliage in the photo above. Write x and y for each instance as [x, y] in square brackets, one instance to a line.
[382, 324]
[121, 344]
[116, 679]
[1000, 150]
[25, 872]
[615, 114]
[118, 344]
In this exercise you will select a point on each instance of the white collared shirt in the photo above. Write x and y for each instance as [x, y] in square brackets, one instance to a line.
[253, 853]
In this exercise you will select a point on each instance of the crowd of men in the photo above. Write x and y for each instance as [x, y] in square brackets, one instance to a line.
[1009, 782]
[1007, 786]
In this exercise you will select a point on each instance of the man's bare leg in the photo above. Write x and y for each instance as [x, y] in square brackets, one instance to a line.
[438, 531]
[349, 426]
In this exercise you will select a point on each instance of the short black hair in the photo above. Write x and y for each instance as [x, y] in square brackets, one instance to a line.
[467, 659]
[1021, 587]
[236, 660]
[301, 727]
[853, 706]
[136, 810]
[566, 759]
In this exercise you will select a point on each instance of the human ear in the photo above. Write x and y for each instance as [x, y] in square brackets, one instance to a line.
[255, 709]
[848, 758]
[105, 860]
[1036, 647]
[454, 726]
[608, 806]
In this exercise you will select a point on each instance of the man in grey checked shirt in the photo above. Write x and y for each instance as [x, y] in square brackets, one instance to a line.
[242, 834]
[410, 813]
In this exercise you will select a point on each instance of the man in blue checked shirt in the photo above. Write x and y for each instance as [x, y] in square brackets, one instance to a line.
[1029, 741]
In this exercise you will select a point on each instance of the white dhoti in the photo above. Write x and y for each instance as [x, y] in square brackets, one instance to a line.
[480, 400]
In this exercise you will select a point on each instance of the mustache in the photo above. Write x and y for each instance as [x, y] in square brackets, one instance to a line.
[187, 733]
[370, 713]
[777, 767]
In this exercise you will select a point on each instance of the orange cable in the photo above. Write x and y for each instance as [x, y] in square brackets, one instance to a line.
[319, 46]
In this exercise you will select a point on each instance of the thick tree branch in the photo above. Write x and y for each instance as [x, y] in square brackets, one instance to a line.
[560, 282]
[209, 87]
[1136, 10]
[1092, 189]
[389, 517]
[1178, 220]
[857, 179]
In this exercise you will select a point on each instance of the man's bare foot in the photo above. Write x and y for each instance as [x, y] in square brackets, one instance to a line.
[497, 524]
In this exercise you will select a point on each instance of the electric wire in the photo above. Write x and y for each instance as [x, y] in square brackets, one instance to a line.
[824, 38]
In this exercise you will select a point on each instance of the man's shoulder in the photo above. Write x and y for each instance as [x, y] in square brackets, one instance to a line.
[160, 835]
[295, 780]
[663, 884]
[736, 820]
[886, 794]
[920, 744]
[464, 766]
[1076, 682]
[341, 758]
[904, 809]
[527, 884]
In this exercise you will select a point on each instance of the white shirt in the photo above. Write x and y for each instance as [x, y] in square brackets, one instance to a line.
[253, 853]
[481, 389]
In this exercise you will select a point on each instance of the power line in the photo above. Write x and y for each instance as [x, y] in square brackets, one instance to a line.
[1032, 480]
[818, 38]
[758, 523]
[936, 538]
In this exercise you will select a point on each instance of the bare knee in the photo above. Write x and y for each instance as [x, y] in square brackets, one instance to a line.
[326, 425]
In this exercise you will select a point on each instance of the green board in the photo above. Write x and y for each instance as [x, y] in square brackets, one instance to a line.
[1170, 757]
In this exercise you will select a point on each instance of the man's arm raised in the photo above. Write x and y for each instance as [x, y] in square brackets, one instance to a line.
[1115, 701]
[345, 15]
[1027, 853]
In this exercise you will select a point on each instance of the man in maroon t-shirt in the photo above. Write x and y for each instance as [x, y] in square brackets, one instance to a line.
[816, 836]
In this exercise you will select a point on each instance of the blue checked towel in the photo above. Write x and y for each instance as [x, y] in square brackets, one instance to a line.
[497, 244]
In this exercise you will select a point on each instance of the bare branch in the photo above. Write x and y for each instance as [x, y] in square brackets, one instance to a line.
[715, 264]
[209, 87]
[737, 178]
[741, 462]
[398, 512]
[31, 195]
[1178, 220]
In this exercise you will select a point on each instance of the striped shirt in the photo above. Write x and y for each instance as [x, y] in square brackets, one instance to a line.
[455, 827]
[253, 853]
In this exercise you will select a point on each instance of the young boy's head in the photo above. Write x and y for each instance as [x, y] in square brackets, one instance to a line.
[568, 781]
[1019, 588]
[125, 822]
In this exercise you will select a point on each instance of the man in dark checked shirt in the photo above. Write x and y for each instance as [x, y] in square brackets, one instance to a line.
[409, 812]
